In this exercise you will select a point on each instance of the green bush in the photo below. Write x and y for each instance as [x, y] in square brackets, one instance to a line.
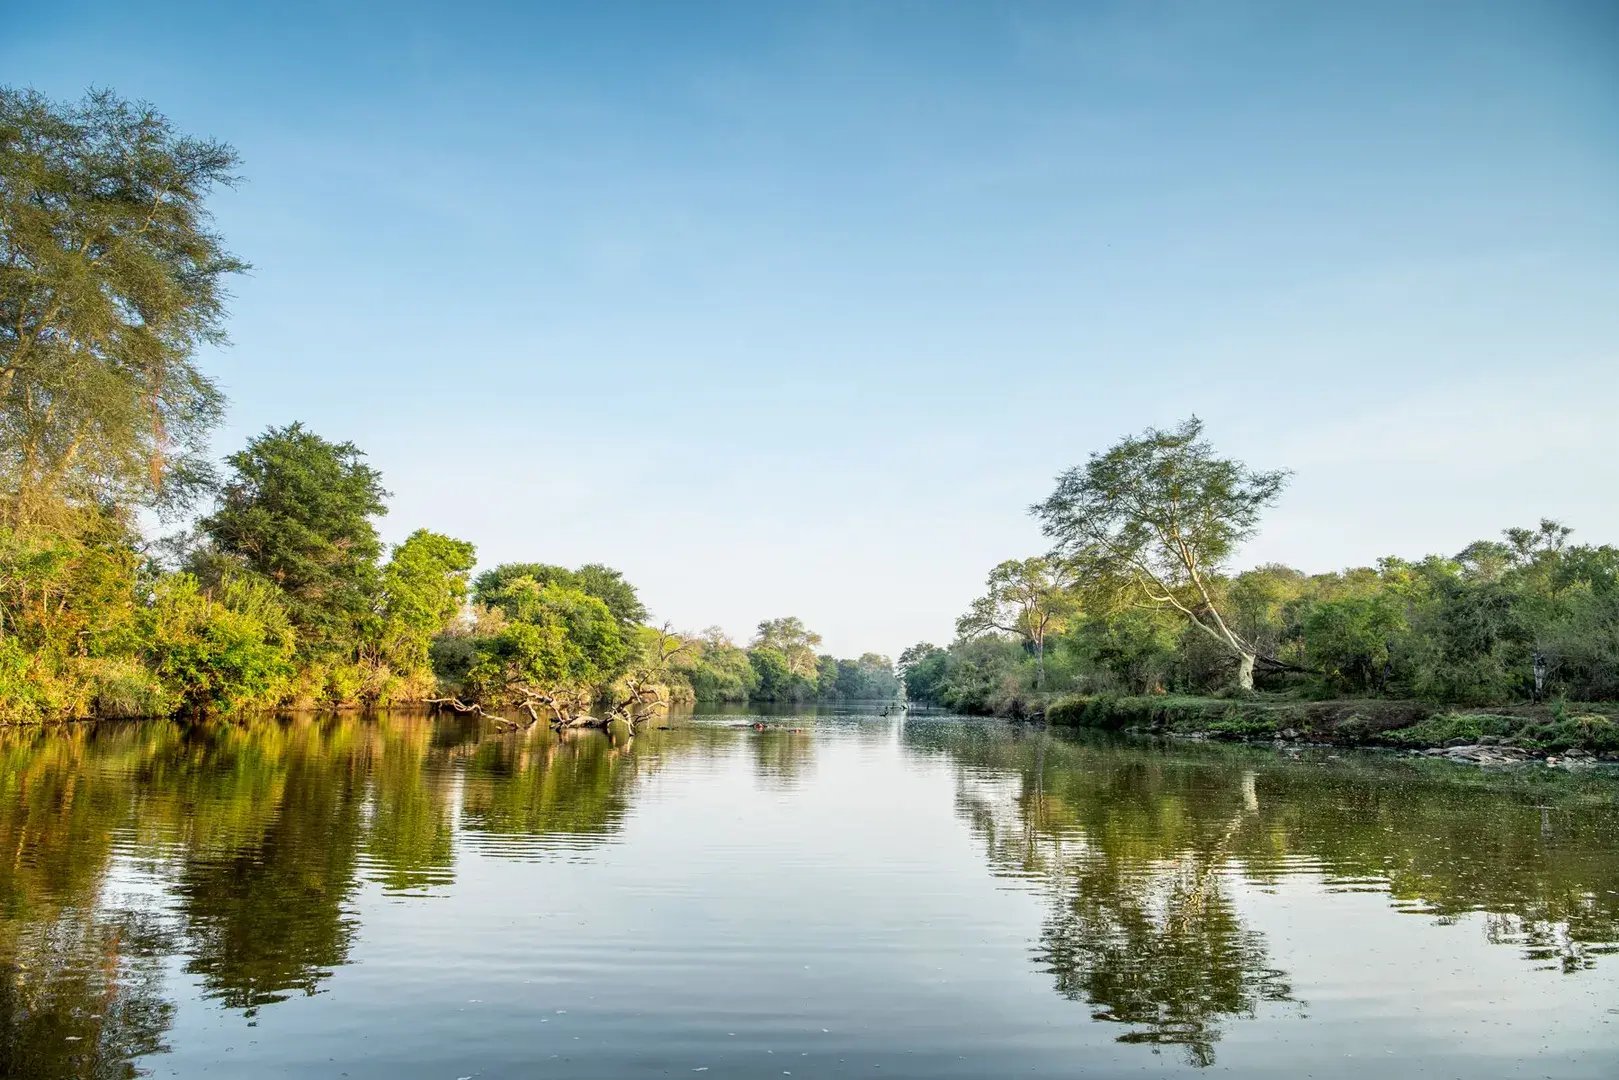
[217, 653]
[1592, 732]
[1449, 727]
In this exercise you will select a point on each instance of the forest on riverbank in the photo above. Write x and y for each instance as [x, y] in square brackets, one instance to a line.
[138, 577]
[281, 593]
[1134, 617]
[1464, 629]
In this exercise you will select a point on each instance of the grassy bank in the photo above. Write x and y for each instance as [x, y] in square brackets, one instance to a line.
[1402, 724]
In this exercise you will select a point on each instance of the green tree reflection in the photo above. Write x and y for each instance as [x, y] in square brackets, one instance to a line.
[410, 837]
[81, 997]
[1137, 848]
[573, 788]
[271, 917]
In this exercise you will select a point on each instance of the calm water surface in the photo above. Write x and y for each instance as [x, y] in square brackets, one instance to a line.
[934, 897]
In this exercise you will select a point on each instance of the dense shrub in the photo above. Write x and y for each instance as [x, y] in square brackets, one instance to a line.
[224, 652]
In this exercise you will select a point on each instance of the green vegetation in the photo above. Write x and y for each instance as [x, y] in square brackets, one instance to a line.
[1351, 722]
[782, 664]
[1136, 617]
[110, 280]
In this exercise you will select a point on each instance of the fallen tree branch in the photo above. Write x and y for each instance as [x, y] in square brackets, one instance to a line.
[455, 703]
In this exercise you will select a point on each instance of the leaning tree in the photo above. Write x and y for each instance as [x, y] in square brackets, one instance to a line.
[1153, 520]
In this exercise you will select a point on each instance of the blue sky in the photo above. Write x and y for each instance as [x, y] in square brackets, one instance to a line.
[794, 308]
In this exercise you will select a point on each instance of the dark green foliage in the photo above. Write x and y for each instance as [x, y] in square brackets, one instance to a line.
[1472, 645]
[775, 679]
[923, 668]
[1350, 639]
[298, 510]
[1169, 712]
[608, 586]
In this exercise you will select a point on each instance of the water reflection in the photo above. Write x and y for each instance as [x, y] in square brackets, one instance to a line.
[247, 856]
[271, 916]
[1137, 850]
[261, 834]
[82, 996]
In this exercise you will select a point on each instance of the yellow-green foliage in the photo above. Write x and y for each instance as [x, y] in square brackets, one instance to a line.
[221, 652]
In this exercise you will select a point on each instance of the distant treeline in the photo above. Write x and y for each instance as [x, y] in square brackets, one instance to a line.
[111, 279]
[1135, 598]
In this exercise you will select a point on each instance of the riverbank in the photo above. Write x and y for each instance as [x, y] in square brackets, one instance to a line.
[1573, 730]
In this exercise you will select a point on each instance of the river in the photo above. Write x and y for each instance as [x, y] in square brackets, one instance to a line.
[842, 894]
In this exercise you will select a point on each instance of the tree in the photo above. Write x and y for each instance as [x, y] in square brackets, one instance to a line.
[608, 586]
[923, 669]
[602, 582]
[424, 587]
[773, 677]
[1132, 649]
[1350, 638]
[827, 682]
[1028, 598]
[298, 510]
[716, 669]
[870, 678]
[553, 644]
[1472, 644]
[110, 278]
[1155, 518]
[796, 643]
[227, 652]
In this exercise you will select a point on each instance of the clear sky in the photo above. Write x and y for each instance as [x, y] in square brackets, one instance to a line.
[792, 308]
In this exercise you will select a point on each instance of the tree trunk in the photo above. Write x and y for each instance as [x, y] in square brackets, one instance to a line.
[1040, 664]
[1245, 671]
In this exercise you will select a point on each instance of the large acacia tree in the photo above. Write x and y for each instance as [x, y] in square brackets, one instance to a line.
[111, 278]
[1153, 521]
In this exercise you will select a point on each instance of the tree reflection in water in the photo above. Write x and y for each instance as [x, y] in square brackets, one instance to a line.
[81, 997]
[1135, 848]
[263, 836]
[262, 833]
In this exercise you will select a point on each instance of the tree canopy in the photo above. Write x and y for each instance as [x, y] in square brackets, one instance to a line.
[110, 279]
[1029, 598]
[1154, 519]
[298, 510]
